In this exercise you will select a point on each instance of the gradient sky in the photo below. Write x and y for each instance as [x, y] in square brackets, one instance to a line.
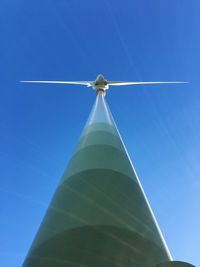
[138, 40]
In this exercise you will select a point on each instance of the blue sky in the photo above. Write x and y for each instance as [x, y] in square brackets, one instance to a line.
[40, 124]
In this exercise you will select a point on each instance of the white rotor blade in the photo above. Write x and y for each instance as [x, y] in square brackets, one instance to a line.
[132, 83]
[86, 83]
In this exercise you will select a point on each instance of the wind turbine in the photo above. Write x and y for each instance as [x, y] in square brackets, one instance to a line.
[99, 214]
[101, 84]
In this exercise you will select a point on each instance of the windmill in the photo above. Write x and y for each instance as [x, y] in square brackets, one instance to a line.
[101, 84]
[100, 215]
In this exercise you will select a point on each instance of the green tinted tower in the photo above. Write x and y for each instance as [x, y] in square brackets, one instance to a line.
[99, 215]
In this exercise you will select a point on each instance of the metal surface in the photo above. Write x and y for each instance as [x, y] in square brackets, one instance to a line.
[99, 215]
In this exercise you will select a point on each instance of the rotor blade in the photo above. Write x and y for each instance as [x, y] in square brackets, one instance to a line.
[86, 83]
[115, 83]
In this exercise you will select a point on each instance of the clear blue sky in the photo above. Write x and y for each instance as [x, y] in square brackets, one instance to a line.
[40, 124]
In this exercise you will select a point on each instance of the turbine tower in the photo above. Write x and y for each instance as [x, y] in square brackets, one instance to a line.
[99, 215]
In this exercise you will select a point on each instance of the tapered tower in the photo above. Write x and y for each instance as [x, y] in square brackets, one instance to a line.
[99, 215]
